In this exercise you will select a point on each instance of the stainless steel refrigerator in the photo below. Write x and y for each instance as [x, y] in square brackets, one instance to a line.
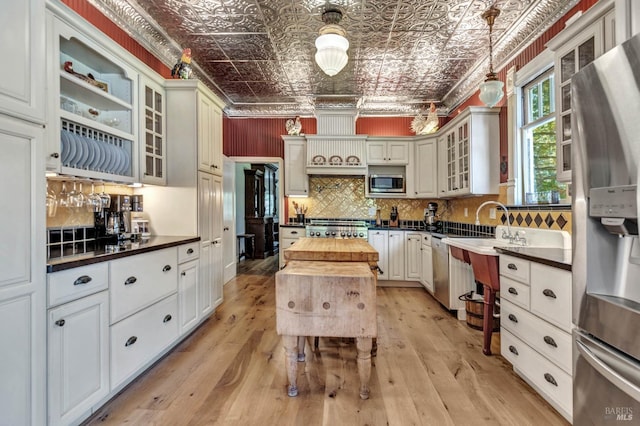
[605, 98]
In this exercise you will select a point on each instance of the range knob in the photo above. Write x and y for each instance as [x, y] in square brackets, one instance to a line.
[361, 235]
[326, 233]
[342, 234]
[349, 234]
[333, 233]
[317, 234]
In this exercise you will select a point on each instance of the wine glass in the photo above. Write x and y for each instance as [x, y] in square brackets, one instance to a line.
[81, 198]
[52, 202]
[63, 196]
[94, 201]
[106, 198]
[72, 197]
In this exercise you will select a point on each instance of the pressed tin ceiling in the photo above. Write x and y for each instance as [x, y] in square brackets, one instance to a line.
[258, 55]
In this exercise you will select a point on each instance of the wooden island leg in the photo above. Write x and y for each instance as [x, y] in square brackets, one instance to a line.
[291, 362]
[363, 344]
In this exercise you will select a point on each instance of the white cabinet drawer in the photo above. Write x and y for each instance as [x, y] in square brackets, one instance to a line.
[138, 281]
[550, 341]
[551, 295]
[291, 232]
[188, 252]
[72, 284]
[287, 242]
[139, 338]
[515, 268]
[514, 292]
[554, 384]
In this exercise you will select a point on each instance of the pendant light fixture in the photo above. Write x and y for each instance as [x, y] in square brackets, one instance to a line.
[332, 44]
[491, 90]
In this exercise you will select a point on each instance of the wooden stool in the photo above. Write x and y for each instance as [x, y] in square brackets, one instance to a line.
[251, 240]
[486, 272]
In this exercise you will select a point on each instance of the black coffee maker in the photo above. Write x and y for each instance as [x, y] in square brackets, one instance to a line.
[114, 222]
[430, 217]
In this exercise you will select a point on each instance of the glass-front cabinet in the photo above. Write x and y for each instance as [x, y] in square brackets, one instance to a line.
[153, 165]
[574, 48]
[93, 121]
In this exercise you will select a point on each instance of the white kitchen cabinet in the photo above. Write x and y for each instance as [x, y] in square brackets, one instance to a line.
[22, 79]
[426, 168]
[217, 256]
[188, 296]
[468, 153]
[22, 264]
[536, 327]
[396, 255]
[574, 48]
[210, 230]
[139, 281]
[386, 151]
[153, 143]
[426, 271]
[413, 258]
[379, 240]
[78, 357]
[140, 338]
[288, 236]
[209, 133]
[296, 180]
[92, 122]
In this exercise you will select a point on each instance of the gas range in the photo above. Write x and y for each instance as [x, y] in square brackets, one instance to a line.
[326, 228]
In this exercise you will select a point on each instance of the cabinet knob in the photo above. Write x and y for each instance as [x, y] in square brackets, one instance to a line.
[226, 228]
[166, 268]
[167, 318]
[512, 266]
[190, 251]
[84, 279]
[549, 293]
[549, 378]
[513, 350]
[513, 318]
[60, 323]
[183, 273]
[130, 280]
[55, 155]
[513, 291]
[130, 341]
[549, 341]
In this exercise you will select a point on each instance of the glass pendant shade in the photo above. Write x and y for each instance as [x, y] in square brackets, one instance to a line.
[491, 92]
[332, 56]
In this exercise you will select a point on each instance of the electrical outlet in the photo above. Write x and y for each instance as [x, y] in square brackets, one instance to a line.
[372, 211]
[466, 212]
[492, 213]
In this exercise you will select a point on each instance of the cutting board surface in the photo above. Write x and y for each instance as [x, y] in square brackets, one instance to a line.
[332, 249]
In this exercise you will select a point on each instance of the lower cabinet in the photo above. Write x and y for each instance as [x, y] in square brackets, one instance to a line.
[78, 357]
[396, 255]
[426, 271]
[379, 240]
[413, 258]
[136, 340]
[188, 296]
[288, 236]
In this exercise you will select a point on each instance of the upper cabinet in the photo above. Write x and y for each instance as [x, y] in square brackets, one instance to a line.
[153, 144]
[577, 46]
[468, 153]
[383, 151]
[426, 169]
[209, 134]
[93, 127]
[296, 180]
[22, 79]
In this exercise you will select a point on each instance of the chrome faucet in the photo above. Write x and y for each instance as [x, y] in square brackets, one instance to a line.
[505, 235]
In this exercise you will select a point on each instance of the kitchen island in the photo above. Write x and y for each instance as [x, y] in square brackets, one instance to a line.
[327, 289]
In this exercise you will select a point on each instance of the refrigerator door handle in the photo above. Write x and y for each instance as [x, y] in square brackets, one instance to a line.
[620, 382]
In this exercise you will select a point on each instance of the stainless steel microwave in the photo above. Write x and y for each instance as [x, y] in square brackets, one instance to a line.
[392, 184]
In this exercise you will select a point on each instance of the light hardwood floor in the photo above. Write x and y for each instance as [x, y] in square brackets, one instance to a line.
[429, 370]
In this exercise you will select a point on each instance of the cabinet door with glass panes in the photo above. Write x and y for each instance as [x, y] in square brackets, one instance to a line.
[153, 164]
[456, 155]
[571, 58]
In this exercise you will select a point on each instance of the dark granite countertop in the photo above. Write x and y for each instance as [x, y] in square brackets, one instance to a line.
[292, 225]
[556, 257]
[104, 252]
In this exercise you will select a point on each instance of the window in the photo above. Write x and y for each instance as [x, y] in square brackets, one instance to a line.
[539, 183]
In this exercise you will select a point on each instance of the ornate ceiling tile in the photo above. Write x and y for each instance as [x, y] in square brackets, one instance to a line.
[256, 54]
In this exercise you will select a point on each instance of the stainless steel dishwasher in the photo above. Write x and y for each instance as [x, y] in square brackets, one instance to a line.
[440, 256]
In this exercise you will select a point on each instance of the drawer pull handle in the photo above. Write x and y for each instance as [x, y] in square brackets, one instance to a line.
[60, 323]
[513, 350]
[82, 280]
[166, 268]
[512, 266]
[549, 341]
[513, 318]
[131, 340]
[549, 293]
[130, 280]
[55, 155]
[549, 378]
[167, 318]
[294, 232]
[190, 251]
[513, 291]
[183, 273]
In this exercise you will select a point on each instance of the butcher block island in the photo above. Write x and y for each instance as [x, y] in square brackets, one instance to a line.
[328, 289]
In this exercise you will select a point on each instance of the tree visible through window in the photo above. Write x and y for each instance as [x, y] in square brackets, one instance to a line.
[539, 143]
